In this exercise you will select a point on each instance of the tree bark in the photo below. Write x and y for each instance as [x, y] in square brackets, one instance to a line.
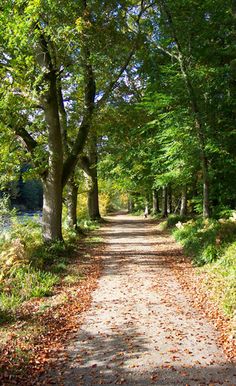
[183, 204]
[89, 165]
[71, 201]
[206, 188]
[93, 201]
[93, 198]
[52, 207]
[130, 204]
[169, 199]
[52, 186]
[164, 212]
[155, 202]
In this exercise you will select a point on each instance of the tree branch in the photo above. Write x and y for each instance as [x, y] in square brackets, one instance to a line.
[173, 56]
[113, 83]
[89, 98]
[84, 163]
[30, 142]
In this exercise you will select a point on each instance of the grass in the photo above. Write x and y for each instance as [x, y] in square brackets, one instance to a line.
[89, 225]
[37, 282]
[94, 240]
[211, 245]
[30, 269]
[220, 280]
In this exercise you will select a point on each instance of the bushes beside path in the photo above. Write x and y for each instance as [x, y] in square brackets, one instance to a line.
[211, 245]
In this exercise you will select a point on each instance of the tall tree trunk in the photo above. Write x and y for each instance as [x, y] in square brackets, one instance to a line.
[206, 188]
[89, 165]
[93, 198]
[52, 180]
[52, 208]
[164, 212]
[93, 201]
[71, 201]
[52, 176]
[130, 204]
[183, 204]
[169, 195]
[155, 202]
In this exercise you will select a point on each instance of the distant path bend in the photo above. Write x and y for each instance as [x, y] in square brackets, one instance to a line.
[141, 328]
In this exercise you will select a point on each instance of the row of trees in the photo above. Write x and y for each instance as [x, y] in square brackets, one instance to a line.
[146, 88]
[180, 130]
[60, 63]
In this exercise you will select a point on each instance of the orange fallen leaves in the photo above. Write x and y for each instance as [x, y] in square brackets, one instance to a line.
[23, 359]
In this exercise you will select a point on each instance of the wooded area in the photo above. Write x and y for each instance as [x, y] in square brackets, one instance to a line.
[110, 105]
[142, 90]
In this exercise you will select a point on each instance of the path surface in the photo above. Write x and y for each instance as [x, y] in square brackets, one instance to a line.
[141, 328]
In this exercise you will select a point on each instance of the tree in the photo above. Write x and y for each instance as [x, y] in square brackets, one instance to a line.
[193, 41]
[88, 163]
[53, 53]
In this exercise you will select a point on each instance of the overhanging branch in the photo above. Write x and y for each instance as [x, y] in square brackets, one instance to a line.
[113, 84]
[30, 142]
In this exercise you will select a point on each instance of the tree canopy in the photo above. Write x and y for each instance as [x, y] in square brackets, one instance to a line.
[138, 93]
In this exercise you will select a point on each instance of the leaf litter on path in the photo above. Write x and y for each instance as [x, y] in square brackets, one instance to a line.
[146, 324]
[143, 312]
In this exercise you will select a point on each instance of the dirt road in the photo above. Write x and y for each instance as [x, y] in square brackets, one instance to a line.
[141, 328]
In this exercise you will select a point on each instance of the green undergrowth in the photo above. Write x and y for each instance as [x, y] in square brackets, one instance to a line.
[89, 225]
[220, 280]
[211, 244]
[31, 269]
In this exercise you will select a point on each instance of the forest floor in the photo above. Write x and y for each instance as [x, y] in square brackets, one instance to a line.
[148, 322]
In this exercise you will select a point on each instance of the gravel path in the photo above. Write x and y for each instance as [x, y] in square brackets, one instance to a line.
[141, 328]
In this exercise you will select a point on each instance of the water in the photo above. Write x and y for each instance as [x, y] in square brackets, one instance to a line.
[21, 217]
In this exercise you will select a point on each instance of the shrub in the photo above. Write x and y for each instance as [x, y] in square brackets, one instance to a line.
[222, 274]
[173, 219]
[209, 243]
[28, 267]
[199, 240]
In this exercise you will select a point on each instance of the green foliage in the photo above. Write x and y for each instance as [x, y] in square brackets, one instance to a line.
[221, 280]
[211, 245]
[24, 283]
[87, 224]
[4, 205]
[28, 267]
[223, 211]
[173, 219]
[94, 240]
[210, 253]
[199, 240]
[205, 240]
[53, 256]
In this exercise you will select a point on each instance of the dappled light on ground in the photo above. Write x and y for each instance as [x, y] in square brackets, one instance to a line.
[142, 327]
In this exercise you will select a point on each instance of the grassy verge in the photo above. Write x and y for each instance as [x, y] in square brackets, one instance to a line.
[211, 244]
[28, 268]
[42, 291]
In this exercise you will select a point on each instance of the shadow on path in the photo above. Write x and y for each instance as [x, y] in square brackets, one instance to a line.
[141, 328]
